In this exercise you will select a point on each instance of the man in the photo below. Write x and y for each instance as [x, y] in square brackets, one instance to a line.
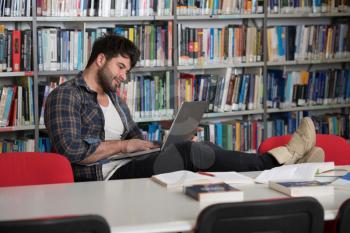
[87, 122]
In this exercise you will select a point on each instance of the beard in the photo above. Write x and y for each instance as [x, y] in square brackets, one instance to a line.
[106, 79]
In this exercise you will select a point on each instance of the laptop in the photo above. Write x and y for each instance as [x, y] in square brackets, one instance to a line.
[185, 123]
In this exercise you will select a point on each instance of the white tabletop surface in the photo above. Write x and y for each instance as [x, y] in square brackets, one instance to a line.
[330, 203]
[134, 205]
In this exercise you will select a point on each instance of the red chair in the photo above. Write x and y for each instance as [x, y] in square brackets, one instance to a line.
[336, 148]
[31, 168]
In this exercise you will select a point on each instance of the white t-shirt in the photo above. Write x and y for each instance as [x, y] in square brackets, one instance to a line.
[114, 128]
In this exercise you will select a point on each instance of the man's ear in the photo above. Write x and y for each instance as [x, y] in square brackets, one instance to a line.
[100, 60]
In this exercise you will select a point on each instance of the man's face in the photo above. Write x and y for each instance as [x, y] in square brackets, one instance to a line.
[113, 73]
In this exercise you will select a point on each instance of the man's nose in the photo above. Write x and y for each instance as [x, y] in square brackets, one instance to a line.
[122, 75]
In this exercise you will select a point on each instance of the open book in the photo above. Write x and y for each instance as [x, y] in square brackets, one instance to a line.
[186, 178]
[294, 172]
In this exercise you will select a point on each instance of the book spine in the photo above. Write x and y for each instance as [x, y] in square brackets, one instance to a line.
[16, 50]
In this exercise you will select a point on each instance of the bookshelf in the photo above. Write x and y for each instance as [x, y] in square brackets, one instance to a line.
[260, 16]
[15, 74]
[316, 19]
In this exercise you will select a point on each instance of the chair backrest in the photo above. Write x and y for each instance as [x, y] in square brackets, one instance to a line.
[302, 215]
[336, 148]
[343, 218]
[62, 224]
[30, 168]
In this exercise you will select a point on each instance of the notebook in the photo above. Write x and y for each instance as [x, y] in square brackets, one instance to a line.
[185, 123]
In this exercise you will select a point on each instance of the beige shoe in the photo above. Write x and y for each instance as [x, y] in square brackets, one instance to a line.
[315, 155]
[301, 143]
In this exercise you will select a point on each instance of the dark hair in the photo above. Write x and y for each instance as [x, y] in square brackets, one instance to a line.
[112, 46]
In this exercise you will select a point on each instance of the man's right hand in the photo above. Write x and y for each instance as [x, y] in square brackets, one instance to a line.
[133, 145]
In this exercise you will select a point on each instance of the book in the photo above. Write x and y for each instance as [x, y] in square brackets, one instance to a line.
[219, 192]
[187, 178]
[294, 172]
[16, 50]
[181, 178]
[302, 188]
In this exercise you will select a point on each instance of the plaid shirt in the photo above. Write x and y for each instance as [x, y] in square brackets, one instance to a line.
[75, 124]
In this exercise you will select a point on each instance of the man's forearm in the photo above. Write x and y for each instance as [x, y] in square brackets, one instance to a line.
[104, 150]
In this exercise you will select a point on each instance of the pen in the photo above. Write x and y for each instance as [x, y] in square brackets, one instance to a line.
[206, 174]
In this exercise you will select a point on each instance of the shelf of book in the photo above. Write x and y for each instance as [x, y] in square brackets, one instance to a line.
[16, 19]
[16, 74]
[101, 19]
[202, 67]
[209, 116]
[58, 73]
[206, 116]
[307, 62]
[16, 128]
[220, 17]
[220, 66]
[152, 69]
[247, 64]
[154, 119]
[169, 17]
[309, 108]
[308, 15]
[42, 127]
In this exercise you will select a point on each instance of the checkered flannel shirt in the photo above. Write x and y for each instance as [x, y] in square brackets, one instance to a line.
[75, 124]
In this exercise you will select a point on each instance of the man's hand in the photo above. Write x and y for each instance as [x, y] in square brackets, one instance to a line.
[133, 145]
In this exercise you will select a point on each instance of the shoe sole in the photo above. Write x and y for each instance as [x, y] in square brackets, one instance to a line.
[316, 155]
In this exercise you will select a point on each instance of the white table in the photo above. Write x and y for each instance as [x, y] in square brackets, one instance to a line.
[135, 205]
